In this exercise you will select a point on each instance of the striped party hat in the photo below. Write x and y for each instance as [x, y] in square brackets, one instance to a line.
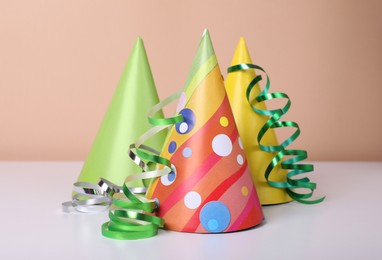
[210, 189]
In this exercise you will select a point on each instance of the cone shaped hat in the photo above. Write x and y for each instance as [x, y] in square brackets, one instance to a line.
[210, 189]
[124, 121]
[249, 124]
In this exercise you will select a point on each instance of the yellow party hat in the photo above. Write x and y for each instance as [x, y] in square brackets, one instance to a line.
[249, 124]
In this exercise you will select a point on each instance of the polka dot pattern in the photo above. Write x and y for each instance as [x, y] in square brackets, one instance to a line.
[169, 179]
[172, 147]
[244, 191]
[222, 145]
[240, 159]
[183, 128]
[187, 152]
[215, 217]
[192, 200]
[188, 121]
[211, 190]
[224, 121]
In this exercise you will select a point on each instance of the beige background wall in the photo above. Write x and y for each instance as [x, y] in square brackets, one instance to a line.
[61, 60]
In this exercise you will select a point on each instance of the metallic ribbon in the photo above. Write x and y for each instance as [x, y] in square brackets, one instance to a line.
[133, 216]
[295, 156]
[90, 197]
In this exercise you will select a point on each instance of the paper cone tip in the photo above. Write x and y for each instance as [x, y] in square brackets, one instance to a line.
[139, 41]
[206, 40]
[241, 53]
[138, 54]
[242, 41]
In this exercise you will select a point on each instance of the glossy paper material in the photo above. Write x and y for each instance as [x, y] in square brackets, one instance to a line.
[211, 190]
[249, 124]
[124, 121]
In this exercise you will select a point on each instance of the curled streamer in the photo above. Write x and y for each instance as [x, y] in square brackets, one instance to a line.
[291, 164]
[89, 197]
[132, 216]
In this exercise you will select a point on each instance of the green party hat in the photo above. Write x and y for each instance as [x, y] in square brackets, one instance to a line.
[123, 123]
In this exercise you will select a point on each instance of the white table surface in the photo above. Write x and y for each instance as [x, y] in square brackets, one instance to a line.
[347, 225]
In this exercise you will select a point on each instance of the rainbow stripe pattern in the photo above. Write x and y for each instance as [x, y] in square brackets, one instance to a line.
[210, 189]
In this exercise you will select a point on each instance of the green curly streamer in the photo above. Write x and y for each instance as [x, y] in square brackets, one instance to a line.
[290, 164]
[133, 217]
[127, 223]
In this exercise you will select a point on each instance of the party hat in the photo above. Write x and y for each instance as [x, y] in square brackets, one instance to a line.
[124, 121]
[210, 189]
[249, 124]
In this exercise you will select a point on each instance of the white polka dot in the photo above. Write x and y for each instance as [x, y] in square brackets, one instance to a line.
[222, 145]
[169, 179]
[183, 127]
[240, 143]
[192, 200]
[187, 152]
[240, 159]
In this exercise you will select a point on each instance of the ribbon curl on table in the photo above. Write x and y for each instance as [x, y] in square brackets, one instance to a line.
[90, 197]
[290, 164]
[133, 216]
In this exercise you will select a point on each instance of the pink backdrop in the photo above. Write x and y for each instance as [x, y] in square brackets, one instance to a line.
[61, 60]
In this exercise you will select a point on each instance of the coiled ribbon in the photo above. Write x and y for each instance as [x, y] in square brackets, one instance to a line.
[133, 216]
[90, 197]
[291, 164]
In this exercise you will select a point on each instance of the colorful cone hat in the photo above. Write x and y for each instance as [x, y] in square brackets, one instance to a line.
[210, 189]
[249, 124]
[124, 121]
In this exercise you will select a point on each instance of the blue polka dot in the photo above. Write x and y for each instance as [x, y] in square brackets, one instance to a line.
[187, 152]
[171, 176]
[215, 217]
[188, 122]
[172, 147]
[169, 179]
[212, 224]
